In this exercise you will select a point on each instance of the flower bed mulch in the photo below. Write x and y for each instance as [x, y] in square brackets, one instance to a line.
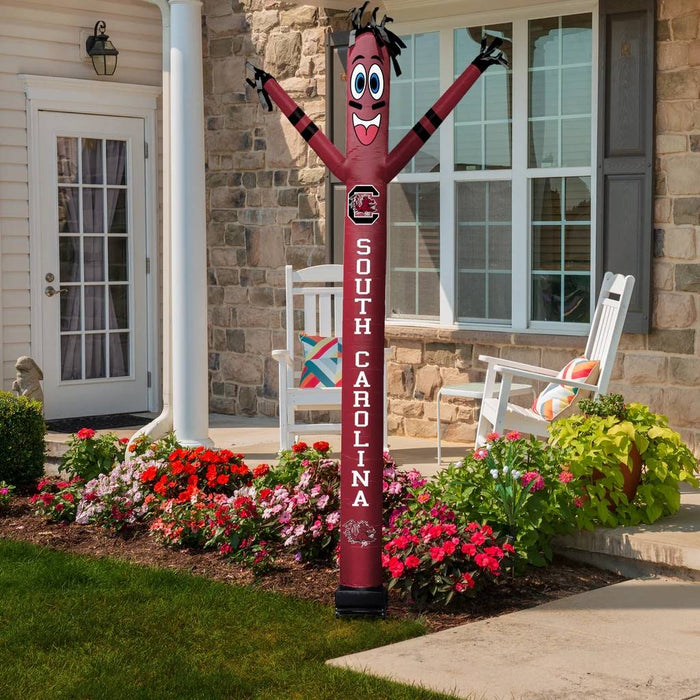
[539, 585]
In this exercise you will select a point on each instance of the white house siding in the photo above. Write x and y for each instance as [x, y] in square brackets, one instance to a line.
[43, 38]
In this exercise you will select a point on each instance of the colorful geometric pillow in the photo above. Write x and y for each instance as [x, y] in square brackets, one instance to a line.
[556, 398]
[322, 361]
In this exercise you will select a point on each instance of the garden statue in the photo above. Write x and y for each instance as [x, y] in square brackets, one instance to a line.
[28, 377]
[366, 169]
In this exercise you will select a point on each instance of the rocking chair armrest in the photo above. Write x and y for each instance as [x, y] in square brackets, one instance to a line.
[283, 356]
[539, 377]
[517, 365]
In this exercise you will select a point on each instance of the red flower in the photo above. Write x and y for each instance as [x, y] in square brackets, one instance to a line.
[484, 561]
[298, 447]
[468, 549]
[513, 435]
[492, 436]
[565, 477]
[85, 434]
[434, 531]
[437, 553]
[124, 440]
[149, 474]
[260, 470]
[507, 547]
[412, 561]
[468, 580]
[265, 494]
[460, 587]
[494, 552]
[532, 477]
[222, 479]
[395, 567]
[423, 497]
[477, 538]
[321, 446]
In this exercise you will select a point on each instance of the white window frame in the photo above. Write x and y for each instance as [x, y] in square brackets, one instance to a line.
[520, 175]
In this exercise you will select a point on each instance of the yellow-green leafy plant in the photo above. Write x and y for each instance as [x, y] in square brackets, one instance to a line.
[595, 443]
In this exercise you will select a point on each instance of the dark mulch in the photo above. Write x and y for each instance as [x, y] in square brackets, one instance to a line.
[109, 422]
[562, 578]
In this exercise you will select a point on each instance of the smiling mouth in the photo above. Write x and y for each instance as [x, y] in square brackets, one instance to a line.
[366, 131]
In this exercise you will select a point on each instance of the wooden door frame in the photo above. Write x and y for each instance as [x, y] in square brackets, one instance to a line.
[92, 97]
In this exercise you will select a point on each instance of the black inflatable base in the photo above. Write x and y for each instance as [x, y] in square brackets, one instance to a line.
[360, 601]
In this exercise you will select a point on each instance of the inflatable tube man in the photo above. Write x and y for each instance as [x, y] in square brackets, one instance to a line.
[366, 169]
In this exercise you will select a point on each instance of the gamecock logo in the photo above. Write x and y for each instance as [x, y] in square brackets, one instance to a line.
[359, 532]
[363, 205]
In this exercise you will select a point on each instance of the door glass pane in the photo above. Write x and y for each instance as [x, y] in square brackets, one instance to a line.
[484, 251]
[116, 162]
[95, 351]
[414, 249]
[118, 354]
[68, 210]
[71, 357]
[560, 91]
[94, 308]
[70, 309]
[93, 221]
[91, 258]
[69, 256]
[67, 157]
[92, 161]
[118, 306]
[118, 260]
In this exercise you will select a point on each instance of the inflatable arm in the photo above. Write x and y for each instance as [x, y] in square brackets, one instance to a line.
[428, 124]
[267, 87]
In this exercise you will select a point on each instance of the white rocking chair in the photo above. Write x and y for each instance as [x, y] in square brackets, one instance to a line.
[497, 414]
[322, 316]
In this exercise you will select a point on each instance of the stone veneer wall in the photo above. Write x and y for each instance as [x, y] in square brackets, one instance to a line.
[265, 189]
[266, 204]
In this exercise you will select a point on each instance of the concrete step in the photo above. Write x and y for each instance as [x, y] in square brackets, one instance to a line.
[669, 547]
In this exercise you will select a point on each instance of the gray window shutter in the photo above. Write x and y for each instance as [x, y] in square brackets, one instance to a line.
[626, 149]
[336, 60]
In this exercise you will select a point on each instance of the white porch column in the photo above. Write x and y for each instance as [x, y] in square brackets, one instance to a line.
[188, 223]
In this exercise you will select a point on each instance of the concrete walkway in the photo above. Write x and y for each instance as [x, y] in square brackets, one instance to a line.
[636, 640]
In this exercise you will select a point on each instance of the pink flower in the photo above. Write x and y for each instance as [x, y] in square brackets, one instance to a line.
[491, 437]
[481, 453]
[565, 477]
[85, 434]
[513, 435]
[578, 502]
[460, 587]
[423, 497]
[535, 478]
[477, 538]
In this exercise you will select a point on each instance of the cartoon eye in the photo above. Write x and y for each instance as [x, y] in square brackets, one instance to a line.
[358, 81]
[376, 81]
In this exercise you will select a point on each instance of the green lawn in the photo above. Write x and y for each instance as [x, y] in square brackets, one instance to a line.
[77, 627]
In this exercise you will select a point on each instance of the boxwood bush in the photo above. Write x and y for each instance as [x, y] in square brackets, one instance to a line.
[22, 447]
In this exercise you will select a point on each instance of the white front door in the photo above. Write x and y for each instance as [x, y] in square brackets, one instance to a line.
[92, 211]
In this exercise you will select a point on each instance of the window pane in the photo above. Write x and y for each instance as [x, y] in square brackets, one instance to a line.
[116, 162]
[118, 264]
[413, 93]
[69, 259]
[414, 249]
[560, 86]
[70, 309]
[484, 250]
[118, 306]
[484, 117]
[561, 243]
[116, 211]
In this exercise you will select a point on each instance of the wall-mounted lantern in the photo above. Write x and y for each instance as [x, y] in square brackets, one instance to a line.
[102, 51]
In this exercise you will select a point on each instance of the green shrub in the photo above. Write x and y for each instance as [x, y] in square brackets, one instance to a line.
[22, 448]
[90, 454]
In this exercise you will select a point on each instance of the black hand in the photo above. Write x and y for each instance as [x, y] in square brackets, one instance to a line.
[489, 56]
[261, 77]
